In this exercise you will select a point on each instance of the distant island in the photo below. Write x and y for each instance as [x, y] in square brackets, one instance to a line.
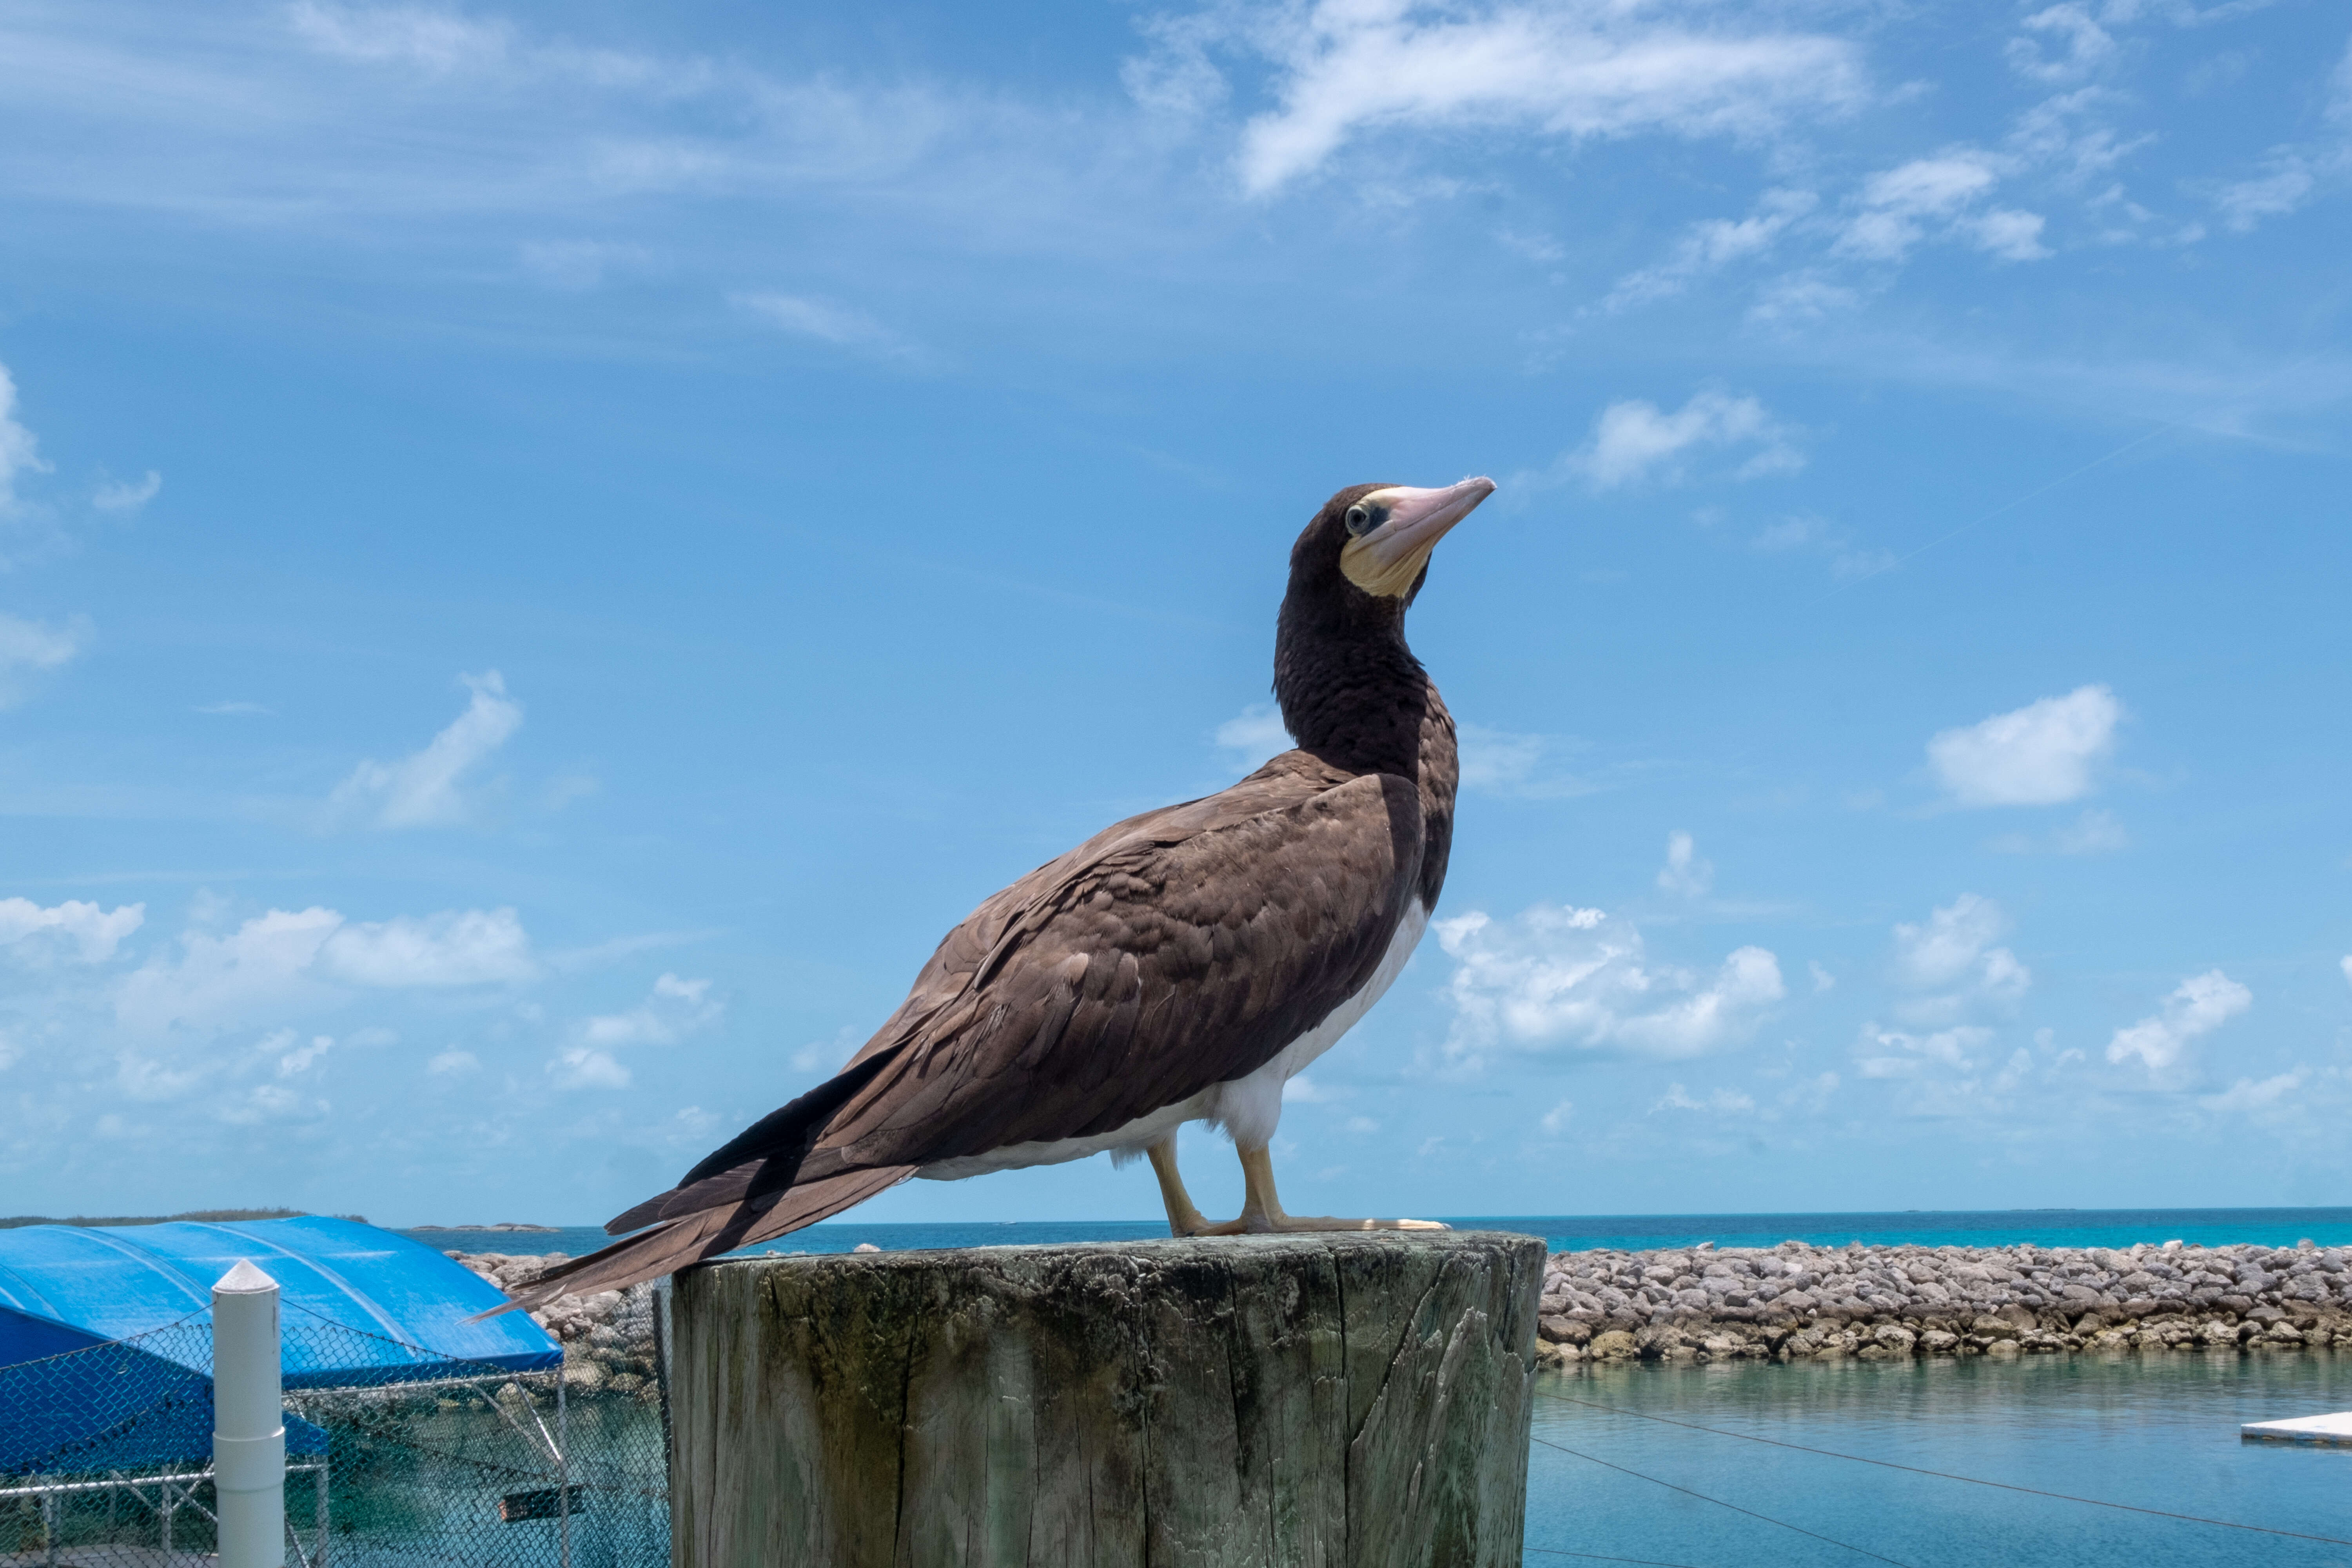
[502, 1224]
[11, 1222]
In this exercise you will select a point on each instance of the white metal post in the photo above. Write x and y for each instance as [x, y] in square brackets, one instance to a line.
[249, 1421]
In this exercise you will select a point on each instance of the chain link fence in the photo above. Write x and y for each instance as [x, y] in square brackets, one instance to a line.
[105, 1456]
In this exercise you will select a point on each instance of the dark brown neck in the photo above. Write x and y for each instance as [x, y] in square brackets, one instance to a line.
[1353, 694]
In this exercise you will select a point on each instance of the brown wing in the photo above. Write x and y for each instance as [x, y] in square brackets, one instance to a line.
[1178, 949]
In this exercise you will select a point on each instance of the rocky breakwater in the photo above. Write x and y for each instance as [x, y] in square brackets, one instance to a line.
[1795, 1301]
[607, 1335]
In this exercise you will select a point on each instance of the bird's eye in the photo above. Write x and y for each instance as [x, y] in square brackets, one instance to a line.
[1360, 521]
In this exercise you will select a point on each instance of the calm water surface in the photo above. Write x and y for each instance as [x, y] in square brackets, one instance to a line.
[2158, 1432]
[1999, 1227]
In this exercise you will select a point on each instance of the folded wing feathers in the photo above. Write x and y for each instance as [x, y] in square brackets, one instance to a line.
[1153, 960]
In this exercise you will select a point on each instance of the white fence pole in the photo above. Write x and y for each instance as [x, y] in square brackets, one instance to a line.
[249, 1421]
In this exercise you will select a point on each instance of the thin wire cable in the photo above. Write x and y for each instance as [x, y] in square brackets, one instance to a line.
[1947, 1476]
[1718, 1502]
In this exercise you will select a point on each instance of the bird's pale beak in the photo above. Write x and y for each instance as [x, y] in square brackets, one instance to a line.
[1389, 559]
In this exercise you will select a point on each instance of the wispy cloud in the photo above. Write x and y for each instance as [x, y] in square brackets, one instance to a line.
[20, 453]
[676, 1009]
[832, 323]
[1686, 873]
[29, 648]
[433, 40]
[2196, 1008]
[1253, 735]
[1943, 196]
[1634, 439]
[1346, 71]
[127, 495]
[428, 788]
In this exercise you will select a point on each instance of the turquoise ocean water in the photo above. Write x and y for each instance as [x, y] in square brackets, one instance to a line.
[1996, 1227]
[2157, 1432]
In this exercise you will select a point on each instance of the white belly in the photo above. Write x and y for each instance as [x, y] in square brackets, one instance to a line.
[1248, 1108]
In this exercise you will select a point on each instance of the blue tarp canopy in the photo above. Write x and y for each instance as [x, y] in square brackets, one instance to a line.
[106, 1343]
[68, 1286]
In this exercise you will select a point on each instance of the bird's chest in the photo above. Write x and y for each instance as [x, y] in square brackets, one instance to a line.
[1325, 1035]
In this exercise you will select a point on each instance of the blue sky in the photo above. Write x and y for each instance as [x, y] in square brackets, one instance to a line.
[549, 552]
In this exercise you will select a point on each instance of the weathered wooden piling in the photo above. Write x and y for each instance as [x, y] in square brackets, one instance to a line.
[1329, 1400]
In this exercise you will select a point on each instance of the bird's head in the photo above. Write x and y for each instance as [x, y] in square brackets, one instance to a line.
[1375, 540]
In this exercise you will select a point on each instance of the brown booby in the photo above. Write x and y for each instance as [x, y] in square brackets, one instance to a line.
[1180, 966]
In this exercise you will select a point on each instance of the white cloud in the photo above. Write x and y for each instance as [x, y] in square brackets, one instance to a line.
[1302, 1090]
[1632, 437]
[2009, 234]
[2293, 173]
[827, 322]
[1799, 299]
[457, 947]
[2044, 753]
[584, 1067]
[1712, 245]
[263, 965]
[1348, 67]
[2094, 833]
[93, 932]
[1723, 1101]
[125, 495]
[2247, 1094]
[676, 1009]
[19, 452]
[1951, 963]
[298, 1059]
[434, 41]
[2199, 1005]
[1848, 562]
[29, 648]
[1898, 208]
[1951, 944]
[2284, 186]
[1517, 766]
[425, 789]
[1952, 1047]
[1685, 871]
[272, 1102]
[1555, 1120]
[1253, 735]
[1822, 979]
[1560, 977]
[290, 959]
[2083, 45]
[452, 1063]
[2347, 969]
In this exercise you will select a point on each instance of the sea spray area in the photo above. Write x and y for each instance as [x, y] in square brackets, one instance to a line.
[1797, 1302]
[1790, 1301]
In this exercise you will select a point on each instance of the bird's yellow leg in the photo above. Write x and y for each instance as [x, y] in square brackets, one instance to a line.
[1183, 1219]
[1261, 1210]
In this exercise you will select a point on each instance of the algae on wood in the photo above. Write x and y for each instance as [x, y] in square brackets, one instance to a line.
[1316, 1400]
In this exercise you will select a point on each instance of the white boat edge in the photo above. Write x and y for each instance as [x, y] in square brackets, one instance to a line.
[2334, 1428]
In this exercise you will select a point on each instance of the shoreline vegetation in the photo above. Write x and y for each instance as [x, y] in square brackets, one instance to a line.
[1797, 1302]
